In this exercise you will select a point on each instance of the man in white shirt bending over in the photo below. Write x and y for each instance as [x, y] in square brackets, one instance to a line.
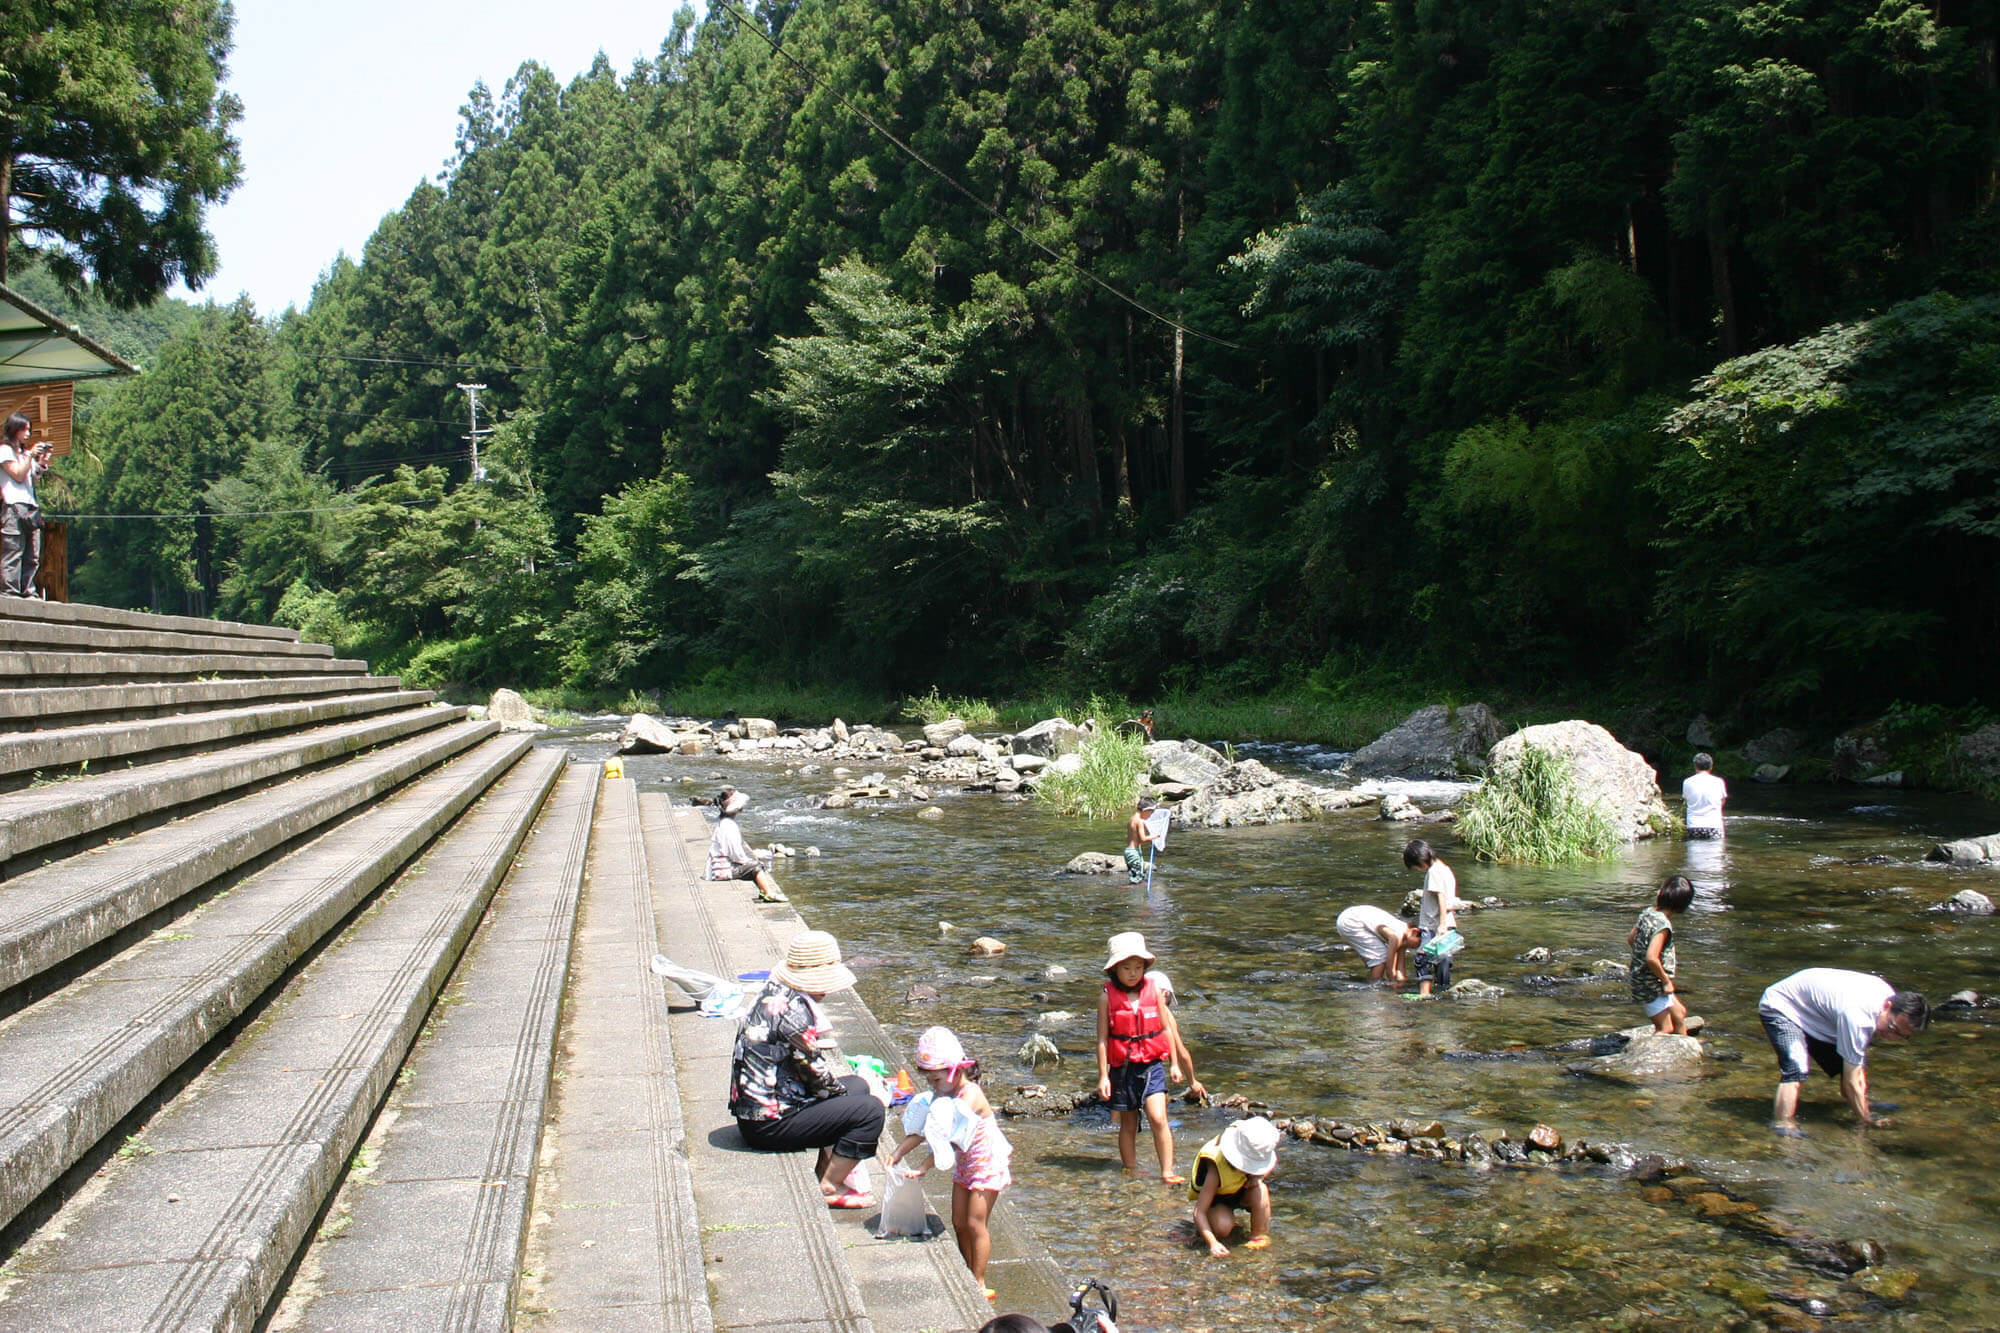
[1704, 794]
[1831, 1016]
[1380, 937]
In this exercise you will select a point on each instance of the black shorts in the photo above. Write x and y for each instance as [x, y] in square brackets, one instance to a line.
[1131, 1085]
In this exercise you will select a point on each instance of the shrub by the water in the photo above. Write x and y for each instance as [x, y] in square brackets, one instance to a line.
[935, 707]
[1113, 764]
[1530, 810]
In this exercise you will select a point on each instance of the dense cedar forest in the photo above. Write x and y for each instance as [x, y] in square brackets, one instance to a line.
[1643, 344]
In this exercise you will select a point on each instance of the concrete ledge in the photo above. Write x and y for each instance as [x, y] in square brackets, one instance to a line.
[32, 635]
[72, 1065]
[65, 705]
[81, 806]
[614, 1241]
[117, 668]
[83, 613]
[97, 742]
[59, 910]
[433, 1237]
[198, 1229]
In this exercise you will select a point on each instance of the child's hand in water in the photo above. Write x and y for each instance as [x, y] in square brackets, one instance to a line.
[1217, 1249]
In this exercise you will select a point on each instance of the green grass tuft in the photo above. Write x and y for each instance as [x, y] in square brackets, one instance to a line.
[935, 707]
[1530, 811]
[1113, 765]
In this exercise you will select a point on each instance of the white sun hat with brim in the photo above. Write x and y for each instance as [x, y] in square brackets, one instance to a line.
[733, 803]
[1251, 1146]
[812, 964]
[1127, 944]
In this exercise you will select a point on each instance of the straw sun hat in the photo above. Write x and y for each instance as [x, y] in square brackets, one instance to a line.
[1251, 1145]
[812, 964]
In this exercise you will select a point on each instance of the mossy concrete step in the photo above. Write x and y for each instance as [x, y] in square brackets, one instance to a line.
[73, 1064]
[616, 1241]
[71, 705]
[430, 1234]
[40, 636]
[120, 668]
[83, 613]
[52, 913]
[102, 742]
[91, 805]
[195, 1227]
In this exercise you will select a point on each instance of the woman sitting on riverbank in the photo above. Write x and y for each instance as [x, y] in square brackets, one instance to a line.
[787, 1085]
[729, 857]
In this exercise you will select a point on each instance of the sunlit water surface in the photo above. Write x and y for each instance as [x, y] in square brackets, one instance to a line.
[1243, 920]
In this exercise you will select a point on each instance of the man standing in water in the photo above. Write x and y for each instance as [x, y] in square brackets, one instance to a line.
[1703, 794]
[1830, 1016]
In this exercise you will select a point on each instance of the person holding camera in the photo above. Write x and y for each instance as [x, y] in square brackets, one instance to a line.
[21, 517]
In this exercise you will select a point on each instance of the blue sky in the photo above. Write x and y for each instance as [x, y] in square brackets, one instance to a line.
[346, 107]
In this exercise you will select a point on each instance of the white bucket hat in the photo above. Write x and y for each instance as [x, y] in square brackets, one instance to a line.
[1127, 944]
[812, 964]
[1162, 983]
[939, 1048]
[1251, 1146]
[733, 803]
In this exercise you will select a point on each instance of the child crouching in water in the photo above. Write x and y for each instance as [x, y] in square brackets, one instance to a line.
[1653, 961]
[956, 1121]
[1233, 1171]
[1136, 1041]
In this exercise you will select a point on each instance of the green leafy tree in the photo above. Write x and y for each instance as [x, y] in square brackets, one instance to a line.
[114, 140]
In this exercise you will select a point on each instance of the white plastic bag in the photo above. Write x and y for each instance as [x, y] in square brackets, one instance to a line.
[904, 1212]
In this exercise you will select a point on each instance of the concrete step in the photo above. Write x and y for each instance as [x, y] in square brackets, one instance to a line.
[45, 636]
[430, 1233]
[614, 1241]
[72, 1065]
[82, 613]
[102, 742]
[196, 1226]
[901, 1284]
[94, 806]
[108, 668]
[51, 914]
[72, 705]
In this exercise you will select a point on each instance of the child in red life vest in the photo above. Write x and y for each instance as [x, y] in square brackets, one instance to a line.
[1136, 1043]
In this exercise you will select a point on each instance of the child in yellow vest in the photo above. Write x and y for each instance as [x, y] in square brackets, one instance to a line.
[1232, 1171]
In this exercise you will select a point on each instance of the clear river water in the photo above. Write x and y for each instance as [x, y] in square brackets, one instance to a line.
[1275, 1009]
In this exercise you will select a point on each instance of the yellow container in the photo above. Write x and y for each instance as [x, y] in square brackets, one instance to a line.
[614, 767]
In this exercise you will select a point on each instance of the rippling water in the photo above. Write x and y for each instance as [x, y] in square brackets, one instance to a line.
[1243, 919]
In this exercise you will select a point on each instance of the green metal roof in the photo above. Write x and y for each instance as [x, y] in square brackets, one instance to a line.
[36, 345]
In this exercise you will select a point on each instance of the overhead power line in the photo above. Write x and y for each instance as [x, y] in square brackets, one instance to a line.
[953, 182]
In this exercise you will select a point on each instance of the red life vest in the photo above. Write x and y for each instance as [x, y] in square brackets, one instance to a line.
[1136, 1029]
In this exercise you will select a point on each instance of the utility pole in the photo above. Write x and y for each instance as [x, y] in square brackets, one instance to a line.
[472, 392]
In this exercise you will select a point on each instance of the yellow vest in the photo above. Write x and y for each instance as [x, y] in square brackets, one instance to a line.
[1228, 1180]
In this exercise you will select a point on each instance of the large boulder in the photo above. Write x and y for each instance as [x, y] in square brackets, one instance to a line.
[964, 745]
[943, 733]
[759, 728]
[1190, 762]
[1648, 1054]
[511, 711]
[1433, 742]
[646, 734]
[1967, 851]
[1981, 749]
[1618, 781]
[1056, 736]
[1246, 792]
[1780, 745]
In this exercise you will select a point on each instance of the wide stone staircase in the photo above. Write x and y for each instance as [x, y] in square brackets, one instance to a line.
[324, 1006]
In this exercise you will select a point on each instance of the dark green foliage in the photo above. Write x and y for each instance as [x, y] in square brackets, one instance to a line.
[778, 404]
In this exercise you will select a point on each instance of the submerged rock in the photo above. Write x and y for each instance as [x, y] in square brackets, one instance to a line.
[1433, 742]
[986, 947]
[1094, 863]
[1647, 1056]
[1969, 902]
[1474, 989]
[1037, 1050]
[1617, 780]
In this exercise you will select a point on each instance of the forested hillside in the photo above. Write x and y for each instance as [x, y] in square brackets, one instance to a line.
[1552, 346]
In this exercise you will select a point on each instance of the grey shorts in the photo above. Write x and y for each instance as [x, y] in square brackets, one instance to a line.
[1797, 1052]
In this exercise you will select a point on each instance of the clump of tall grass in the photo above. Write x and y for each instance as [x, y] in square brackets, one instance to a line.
[1113, 765]
[1529, 809]
[935, 707]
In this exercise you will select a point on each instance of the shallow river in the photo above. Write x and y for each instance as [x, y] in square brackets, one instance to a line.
[1243, 921]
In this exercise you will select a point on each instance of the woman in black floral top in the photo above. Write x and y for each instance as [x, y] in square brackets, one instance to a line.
[787, 1085]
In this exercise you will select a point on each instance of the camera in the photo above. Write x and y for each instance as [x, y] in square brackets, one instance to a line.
[1085, 1319]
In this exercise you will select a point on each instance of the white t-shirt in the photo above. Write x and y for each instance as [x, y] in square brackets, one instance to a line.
[1440, 889]
[1831, 1005]
[16, 492]
[1704, 794]
[1361, 926]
